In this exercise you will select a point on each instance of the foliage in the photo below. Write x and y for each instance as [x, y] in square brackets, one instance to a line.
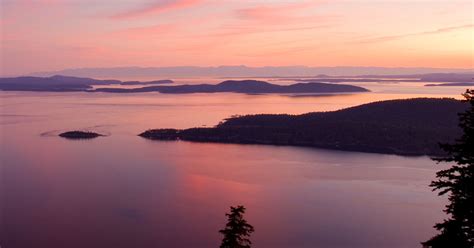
[237, 231]
[458, 183]
[407, 127]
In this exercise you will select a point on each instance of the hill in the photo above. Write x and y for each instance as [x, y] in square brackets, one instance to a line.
[243, 86]
[404, 127]
[60, 83]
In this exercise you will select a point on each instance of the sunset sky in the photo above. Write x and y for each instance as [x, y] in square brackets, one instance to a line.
[41, 35]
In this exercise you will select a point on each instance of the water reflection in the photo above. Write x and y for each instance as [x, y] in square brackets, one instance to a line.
[124, 191]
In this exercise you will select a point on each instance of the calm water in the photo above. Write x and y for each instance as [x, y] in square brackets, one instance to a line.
[125, 191]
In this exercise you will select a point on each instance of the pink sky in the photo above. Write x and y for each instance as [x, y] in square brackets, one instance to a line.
[44, 35]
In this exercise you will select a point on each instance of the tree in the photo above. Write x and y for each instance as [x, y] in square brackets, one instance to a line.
[237, 231]
[458, 182]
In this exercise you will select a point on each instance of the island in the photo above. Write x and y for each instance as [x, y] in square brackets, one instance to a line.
[242, 86]
[458, 79]
[306, 84]
[59, 83]
[80, 135]
[165, 81]
[451, 84]
[403, 127]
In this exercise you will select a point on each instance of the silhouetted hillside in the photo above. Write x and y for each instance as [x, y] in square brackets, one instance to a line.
[42, 84]
[406, 127]
[452, 84]
[59, 83]
[166, 81]
[243, 86]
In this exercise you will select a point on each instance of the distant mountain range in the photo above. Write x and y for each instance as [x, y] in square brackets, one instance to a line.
[405, 127]
[241, 71]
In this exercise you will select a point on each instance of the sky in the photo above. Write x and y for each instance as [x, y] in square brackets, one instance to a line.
[45, 35]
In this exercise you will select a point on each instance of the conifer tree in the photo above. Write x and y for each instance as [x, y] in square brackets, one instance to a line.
[458, 183]
[237, 231]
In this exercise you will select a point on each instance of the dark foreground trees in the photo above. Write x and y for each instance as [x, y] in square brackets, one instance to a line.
[458, 182]
[237, 231]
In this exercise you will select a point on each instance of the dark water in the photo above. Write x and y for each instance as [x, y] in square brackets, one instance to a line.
[124, 191]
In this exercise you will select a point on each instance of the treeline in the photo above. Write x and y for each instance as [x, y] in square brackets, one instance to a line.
[405, 127]
[60, 83]
[243, 86]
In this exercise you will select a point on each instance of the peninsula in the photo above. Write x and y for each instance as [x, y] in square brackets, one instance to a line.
[404, 127]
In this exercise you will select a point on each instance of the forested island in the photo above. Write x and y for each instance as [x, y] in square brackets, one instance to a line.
[242, 86]
[60, 83]
[165, 81]
[69, 84]
[318, 84]
[80, 135]
[404, 127]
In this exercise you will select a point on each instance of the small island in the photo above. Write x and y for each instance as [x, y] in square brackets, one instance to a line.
[79, 135]
[165, 81]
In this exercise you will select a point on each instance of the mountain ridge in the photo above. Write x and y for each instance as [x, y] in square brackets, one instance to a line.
[246, 71]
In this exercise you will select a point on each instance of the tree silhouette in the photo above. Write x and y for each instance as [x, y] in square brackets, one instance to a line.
[237, 231]
[458, 182]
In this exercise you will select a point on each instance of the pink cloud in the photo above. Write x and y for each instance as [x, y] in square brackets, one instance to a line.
[158, 7]
[275, 13]
[277, 18]
[146, 31]
[227, 31]
[401, 36]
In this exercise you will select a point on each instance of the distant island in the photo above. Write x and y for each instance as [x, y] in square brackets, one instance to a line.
[242, 86]
[318, 84]
[166, 81]
[448, 77]
[450, 84]
[60, 83]
[80, 135]
[404, 127]
[464, 79]
[67, 84]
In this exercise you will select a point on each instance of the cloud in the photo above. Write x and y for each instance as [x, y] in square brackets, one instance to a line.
[159, 6]
[402, 36]
[146, 31]
[274, 13]
[265, 11]
[277, 18]
[244, 30]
